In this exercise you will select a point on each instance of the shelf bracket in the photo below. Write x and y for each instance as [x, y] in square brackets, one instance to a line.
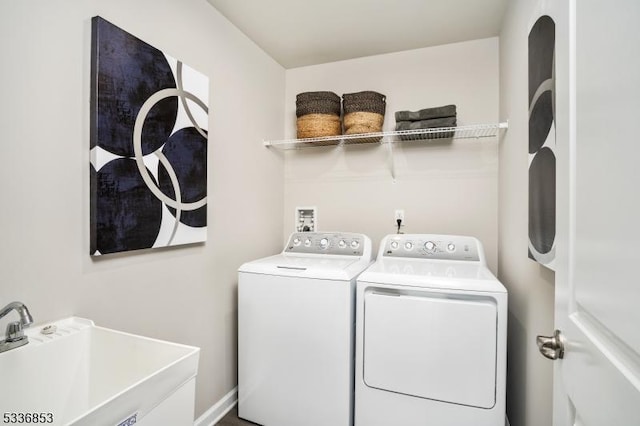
[392, 166]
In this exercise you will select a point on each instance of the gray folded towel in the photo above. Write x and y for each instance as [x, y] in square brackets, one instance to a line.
[426, 124]
[427, 113]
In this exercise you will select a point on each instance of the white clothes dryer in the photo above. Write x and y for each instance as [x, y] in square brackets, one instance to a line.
[296, 331]
[431, 334]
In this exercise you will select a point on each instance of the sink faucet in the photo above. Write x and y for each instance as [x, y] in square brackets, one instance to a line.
[15, 334]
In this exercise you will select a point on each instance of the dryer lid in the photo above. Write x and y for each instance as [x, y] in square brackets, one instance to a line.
[470, 276]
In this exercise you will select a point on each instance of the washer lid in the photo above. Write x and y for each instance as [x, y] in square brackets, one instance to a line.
[471, 276]
[320, 267]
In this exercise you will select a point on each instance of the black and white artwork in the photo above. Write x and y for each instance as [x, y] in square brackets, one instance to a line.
[148, 145]
[542, 142]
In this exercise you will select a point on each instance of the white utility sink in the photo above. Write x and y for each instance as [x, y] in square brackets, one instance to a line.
[88, 375]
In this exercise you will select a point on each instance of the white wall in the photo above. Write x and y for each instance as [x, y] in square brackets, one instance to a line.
[530, 286]
[185, 294]
[444, 187]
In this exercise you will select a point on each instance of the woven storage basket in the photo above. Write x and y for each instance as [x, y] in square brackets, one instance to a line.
[318, 107]
[315, 96]
[318, 125]
[363, 112]
[317, 103]
[364, 101]
[362, 122]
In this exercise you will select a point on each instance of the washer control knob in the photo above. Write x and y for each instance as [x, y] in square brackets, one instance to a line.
[324, 243]
[451, 247]
[296, 241]
[342, 244]
[394, 245]
[355, 244]
[408, 245]
[430, 246]
[307, 242]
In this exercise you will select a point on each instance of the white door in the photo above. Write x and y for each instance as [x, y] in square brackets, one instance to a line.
[597, 383]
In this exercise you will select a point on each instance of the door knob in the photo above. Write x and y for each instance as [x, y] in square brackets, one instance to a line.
[551, 347]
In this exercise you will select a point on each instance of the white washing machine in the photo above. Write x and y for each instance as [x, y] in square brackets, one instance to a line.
[431, 335]
[296, 327]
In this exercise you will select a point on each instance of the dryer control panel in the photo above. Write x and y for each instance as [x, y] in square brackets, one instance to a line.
[328, 243]
[432, 246]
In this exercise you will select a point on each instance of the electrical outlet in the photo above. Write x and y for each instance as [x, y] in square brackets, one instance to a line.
[399, 215]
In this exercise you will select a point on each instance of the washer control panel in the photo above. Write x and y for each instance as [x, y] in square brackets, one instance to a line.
[326, 243]
[430, 246]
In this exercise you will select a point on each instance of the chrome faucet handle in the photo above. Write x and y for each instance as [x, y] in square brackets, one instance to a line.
[15, 336]
[15, 331]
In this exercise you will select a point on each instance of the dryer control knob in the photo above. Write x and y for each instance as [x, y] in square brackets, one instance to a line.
[355, 244]
[430, 246]
[296, 241]
[307, 242]
[342, 244]
[394, 245]
[324, 243]
[408, 245]
[451, 247]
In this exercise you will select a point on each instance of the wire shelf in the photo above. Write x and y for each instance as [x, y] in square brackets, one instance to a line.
[424, 135]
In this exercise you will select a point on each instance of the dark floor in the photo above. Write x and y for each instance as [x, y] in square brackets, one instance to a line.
[231, 419]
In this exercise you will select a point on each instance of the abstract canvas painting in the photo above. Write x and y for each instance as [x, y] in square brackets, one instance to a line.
[148, 145]
[542, 142]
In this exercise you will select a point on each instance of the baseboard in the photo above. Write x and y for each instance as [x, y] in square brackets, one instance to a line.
[214, 414]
